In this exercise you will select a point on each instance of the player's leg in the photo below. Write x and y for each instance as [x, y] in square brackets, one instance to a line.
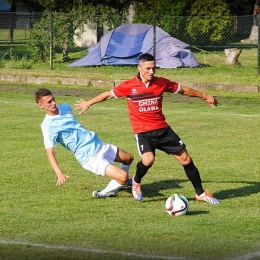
[125, 160]
[123, 157]
[193, 175]
[101, 163]
[119, 180]
[147, 153]
[171, 143]
[190, 169]
[118, 174]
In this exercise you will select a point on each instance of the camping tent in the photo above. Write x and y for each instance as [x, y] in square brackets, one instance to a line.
[124, 44]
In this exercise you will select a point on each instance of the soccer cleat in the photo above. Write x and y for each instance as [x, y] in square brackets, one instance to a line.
[136, 190]
[97, 194]
[207, 197]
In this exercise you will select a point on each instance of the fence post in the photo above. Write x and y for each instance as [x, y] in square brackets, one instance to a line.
[154, 33]
[51, 39]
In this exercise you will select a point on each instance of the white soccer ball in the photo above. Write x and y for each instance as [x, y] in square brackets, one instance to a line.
[176, 205]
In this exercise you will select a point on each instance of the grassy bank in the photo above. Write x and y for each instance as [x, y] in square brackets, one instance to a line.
[213, 71]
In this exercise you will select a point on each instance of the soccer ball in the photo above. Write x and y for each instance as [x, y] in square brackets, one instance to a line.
[176, 205]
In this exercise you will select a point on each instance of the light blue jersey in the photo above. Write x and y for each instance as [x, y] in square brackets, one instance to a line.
[66, 130]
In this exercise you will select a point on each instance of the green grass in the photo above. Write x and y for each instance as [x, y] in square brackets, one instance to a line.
[18, 35]
[42, 221]
[215, 72]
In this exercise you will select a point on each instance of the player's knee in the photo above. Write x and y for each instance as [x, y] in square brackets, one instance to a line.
[129, 159]
[183, 157]
[148, 161]
[123, 178]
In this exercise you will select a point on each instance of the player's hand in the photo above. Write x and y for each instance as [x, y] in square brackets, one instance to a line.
[81, 104]
[212, 100]
[61, 179]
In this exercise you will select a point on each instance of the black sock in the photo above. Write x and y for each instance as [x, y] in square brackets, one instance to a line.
[141, 170]
[194, 176]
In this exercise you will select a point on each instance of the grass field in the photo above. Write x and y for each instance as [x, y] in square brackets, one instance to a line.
[18, 35]
[42, 221]
[215, 71]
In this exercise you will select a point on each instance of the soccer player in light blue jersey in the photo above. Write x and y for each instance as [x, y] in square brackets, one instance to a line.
[60, 126]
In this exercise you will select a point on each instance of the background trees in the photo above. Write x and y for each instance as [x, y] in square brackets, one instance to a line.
[197, 22]
[211, 21]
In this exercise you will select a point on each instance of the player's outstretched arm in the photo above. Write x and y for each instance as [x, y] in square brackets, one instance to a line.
[211, 100]
[54, 164]
[84, 105]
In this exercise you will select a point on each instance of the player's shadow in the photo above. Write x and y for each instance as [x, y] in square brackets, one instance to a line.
[153, 189]
[249, 188]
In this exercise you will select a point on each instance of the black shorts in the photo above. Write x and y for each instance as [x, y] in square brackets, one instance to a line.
[164, 139]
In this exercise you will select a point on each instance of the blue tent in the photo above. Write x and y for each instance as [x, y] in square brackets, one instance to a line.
[124, 44]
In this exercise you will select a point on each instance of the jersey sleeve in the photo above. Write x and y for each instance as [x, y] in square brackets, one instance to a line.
[171, 86]
[49, 138]
[120, 90]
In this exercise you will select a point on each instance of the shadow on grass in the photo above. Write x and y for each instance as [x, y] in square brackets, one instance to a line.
[153, 189]
[249, 189]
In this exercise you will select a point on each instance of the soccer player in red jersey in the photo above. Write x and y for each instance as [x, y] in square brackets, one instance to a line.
[144, 94]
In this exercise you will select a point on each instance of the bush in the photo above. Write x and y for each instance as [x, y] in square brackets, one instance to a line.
[39, 41]
[211, 23]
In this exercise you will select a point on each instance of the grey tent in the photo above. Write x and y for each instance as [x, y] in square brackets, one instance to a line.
[124, 44]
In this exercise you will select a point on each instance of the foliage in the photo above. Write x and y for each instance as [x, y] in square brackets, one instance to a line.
[62, 31]
[211, 22]
[96, 16]
[165, 13]
[39, 41]
[162, 7]
[121, 6]
[204, 27]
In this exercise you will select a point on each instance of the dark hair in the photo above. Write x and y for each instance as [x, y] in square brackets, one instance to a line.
[42, 92]
[146, 57]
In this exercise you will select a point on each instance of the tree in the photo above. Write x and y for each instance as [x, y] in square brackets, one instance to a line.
[210, 22]
[253, 37]
[66, 6]
[39, 41]
[169, 14]
[62, 30]
[98, 13]
[72, 15]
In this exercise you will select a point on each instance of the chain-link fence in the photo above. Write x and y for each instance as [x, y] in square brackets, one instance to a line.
[63, 37]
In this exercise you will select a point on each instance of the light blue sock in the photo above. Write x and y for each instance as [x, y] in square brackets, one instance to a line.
[125, 167]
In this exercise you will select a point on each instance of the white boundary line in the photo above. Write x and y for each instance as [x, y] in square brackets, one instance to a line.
[98, 251]
[249, 256]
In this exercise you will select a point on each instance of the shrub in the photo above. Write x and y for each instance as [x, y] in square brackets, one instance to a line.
[210, 22]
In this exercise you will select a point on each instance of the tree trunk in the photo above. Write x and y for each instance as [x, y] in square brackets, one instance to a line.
[232, 56]
[65, 51]
[253, 37]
